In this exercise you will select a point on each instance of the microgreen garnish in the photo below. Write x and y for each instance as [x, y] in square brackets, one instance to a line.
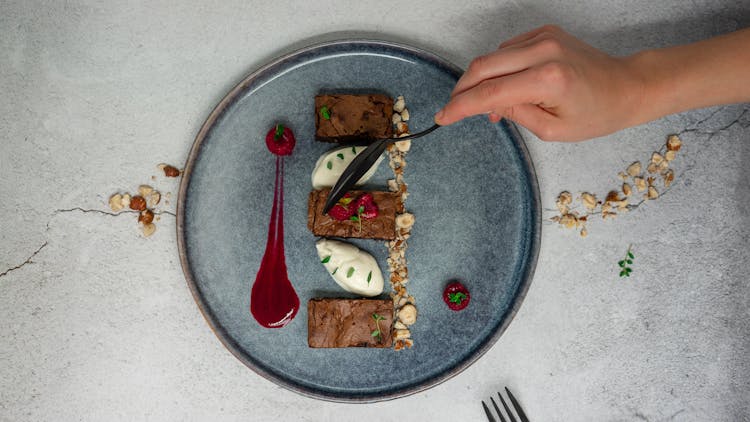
[334, 270]
[625, 263]
[350, 272]
[457, 297]
[325, 113]
[325, 260]
[279, 132]
[369, 277]
[345, 201]
[329, 165]
[358, 217]
[377, 332]
[340, 155]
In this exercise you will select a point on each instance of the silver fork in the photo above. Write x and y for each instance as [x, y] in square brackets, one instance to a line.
[511, 418]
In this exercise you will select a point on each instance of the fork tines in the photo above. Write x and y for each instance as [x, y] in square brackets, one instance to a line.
[514, 403]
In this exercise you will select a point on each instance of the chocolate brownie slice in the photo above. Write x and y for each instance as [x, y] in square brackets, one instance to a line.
[333, 323]
[382, 227]
[347, 118]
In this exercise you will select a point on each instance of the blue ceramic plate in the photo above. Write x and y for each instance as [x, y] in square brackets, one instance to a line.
[473, 192]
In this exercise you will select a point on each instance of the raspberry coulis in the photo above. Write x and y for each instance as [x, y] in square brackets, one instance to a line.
[273, 301]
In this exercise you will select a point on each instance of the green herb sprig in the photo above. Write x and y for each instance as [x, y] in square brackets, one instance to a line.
[456, 297]
[377, 333]
[358, 217]
[624, 264]
[325, 112]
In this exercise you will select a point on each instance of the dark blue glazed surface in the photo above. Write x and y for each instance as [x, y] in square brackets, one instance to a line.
[473, 192]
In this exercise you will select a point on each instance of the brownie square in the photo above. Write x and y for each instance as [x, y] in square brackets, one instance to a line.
[334, 323]
[349, 118]
[382, 227]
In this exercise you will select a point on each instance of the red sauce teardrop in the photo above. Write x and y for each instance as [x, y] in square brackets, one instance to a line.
[273, 301]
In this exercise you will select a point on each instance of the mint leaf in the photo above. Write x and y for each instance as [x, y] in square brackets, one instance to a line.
[457, 297]
[350, 272]
[279, 132]
[325, 260]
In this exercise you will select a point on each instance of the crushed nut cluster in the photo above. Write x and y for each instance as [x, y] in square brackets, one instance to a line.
[144, 202]
[634, 182]
[404, 303]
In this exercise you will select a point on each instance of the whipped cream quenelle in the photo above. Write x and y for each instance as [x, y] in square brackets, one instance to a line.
[353, 269]
[330, 165]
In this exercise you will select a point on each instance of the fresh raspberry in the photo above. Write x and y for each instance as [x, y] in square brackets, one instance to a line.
[339, 212]
[280, 140]
[456, 296]
[368, 207]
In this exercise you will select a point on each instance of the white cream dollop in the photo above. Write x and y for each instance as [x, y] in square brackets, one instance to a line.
[353, 269]
[330, 165]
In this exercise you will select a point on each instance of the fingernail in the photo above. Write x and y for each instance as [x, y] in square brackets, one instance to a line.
[439, 116]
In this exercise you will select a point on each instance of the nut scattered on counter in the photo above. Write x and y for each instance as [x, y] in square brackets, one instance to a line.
[144, 202]
[169, 171]
[658, 165]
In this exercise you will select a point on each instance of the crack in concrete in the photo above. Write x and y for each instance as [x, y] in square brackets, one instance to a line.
[112, 214]
[27, 261]
[696, 129]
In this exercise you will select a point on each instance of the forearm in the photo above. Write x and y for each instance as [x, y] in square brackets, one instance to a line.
[711, 72]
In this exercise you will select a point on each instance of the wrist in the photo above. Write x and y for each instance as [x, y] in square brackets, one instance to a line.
[653, 88]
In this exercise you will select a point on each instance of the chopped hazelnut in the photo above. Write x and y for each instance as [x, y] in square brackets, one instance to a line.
[589, 200]
[115, 202]
[399, 105]
[171, 171]
[148, 229]
[626, 189]
[640, 184]
[668, 178]
[145, 190]
[673, 143]
[146, 216]
[634, 169]
[137, 203]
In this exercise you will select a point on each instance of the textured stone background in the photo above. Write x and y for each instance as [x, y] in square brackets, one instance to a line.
[97, 323]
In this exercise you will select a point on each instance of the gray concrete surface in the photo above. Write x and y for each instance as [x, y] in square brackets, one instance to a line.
[97, 323]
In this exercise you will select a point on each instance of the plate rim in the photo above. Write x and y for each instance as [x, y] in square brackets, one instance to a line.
[527, 272]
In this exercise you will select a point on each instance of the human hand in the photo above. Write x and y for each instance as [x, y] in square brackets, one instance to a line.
[555, 85]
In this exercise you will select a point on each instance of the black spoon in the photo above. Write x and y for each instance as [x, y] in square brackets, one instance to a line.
[361, 164]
